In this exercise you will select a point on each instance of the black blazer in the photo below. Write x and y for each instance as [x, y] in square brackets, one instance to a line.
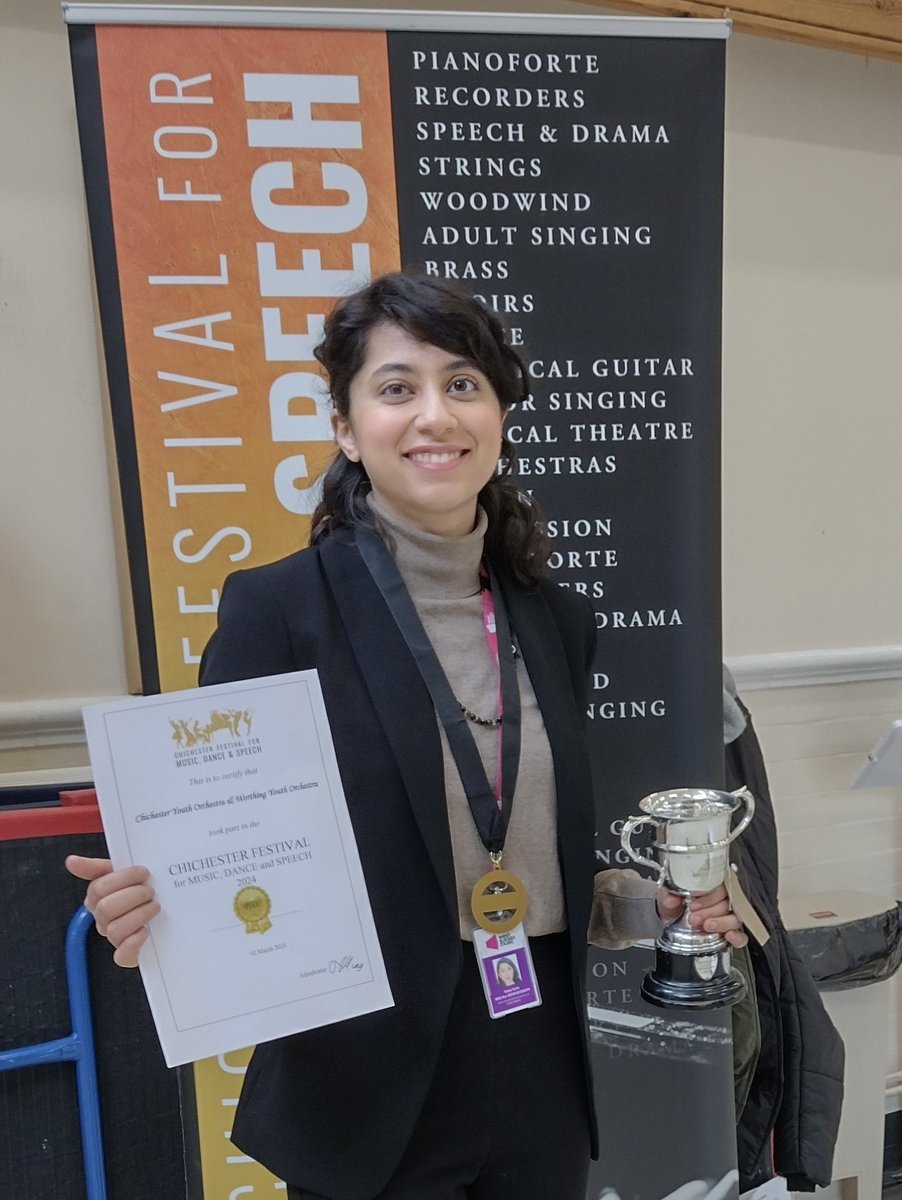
[333, 1109]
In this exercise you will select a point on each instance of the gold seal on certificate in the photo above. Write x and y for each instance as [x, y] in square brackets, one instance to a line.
[252, 906]
[499, 901]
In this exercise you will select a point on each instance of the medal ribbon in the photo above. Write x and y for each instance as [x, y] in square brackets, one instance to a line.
[491, 638]
[491, 811]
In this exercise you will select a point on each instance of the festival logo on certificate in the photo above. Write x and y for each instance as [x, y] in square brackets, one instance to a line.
[226, 734]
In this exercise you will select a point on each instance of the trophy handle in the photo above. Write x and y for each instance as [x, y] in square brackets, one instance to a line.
[629, 828]
[745, 795]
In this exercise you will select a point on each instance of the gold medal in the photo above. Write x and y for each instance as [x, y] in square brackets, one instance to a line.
[499, 901]
[252, 906]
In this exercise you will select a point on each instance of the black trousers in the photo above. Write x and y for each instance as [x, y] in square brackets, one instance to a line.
[507, 1113]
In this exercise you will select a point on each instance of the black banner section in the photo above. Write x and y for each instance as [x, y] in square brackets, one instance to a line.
[86, 81]
[575, 183]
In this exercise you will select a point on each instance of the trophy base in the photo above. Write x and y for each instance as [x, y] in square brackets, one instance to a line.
[697, 981]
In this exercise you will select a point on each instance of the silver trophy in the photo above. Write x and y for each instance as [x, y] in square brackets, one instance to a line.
[692, 836]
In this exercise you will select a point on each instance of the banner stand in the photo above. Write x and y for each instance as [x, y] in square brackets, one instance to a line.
[243, 168]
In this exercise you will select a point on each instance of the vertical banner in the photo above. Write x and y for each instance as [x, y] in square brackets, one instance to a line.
[238, 180]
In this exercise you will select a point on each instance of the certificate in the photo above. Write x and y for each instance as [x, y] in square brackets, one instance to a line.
[231, 796]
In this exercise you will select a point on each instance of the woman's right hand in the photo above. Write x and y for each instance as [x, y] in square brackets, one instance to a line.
[122, 903]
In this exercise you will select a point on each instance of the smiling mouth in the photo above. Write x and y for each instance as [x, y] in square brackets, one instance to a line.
[434, 458]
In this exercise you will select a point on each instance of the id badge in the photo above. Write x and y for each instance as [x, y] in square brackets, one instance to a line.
[505, 967]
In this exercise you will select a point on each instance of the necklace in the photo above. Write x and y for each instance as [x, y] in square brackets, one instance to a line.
[485, 722]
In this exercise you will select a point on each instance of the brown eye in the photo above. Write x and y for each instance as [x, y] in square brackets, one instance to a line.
[395, 390]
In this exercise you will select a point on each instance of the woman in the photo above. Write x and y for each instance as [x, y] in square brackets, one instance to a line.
[506, 972]
[423, 556]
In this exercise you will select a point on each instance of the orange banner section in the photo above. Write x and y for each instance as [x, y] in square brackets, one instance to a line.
[225, 1170]
[252, 181]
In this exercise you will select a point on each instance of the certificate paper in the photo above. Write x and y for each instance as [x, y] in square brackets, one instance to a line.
[231, 796]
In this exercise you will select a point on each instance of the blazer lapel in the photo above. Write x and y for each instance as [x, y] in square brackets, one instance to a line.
[400, 698]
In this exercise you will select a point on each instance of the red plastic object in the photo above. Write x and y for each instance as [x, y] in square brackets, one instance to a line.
[16, 824]
[79, 796]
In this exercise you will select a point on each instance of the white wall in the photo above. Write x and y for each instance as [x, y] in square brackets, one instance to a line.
[812, 362]
[60, 629]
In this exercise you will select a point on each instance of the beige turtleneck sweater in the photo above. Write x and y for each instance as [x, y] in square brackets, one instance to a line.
[442, 576]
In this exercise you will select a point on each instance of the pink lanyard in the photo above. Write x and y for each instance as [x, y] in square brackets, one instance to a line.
[491, 638]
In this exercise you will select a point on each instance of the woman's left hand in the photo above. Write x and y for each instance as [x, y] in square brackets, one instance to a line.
[710, 913]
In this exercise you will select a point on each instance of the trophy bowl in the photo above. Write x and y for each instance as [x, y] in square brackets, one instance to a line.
[692, 835]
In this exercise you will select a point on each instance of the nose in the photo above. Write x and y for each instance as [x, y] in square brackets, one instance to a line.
[435, 413]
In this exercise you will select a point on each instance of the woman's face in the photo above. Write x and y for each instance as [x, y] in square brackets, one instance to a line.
[427, 427]
[506, 974]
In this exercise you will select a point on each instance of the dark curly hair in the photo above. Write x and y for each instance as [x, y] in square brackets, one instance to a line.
[441, 314]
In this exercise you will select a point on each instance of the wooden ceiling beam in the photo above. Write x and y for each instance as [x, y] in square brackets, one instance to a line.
[872, 27]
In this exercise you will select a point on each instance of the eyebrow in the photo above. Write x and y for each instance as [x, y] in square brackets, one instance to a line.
[399, 368]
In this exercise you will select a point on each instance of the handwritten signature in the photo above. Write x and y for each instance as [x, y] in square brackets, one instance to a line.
[348, 963]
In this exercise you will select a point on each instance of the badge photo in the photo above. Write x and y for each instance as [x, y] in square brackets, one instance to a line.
[506, 970]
